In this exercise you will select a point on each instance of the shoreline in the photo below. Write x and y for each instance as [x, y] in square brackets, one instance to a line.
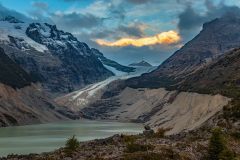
[51, 136]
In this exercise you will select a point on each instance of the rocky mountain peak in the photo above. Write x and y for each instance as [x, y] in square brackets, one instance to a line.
[217, 37]
[55, 39]
[141, 64]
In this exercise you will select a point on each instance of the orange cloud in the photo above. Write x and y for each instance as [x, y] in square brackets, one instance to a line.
[169, 37]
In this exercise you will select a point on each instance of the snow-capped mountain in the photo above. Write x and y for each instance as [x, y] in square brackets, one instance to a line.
[12, 32]
[54, 57]
[141, 64]
[112, 64]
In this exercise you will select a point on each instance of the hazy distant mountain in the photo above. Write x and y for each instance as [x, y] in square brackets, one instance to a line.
[141, 64]
[53, 57]
[111, 63]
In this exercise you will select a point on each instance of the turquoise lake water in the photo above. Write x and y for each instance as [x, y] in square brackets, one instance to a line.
[48, 137]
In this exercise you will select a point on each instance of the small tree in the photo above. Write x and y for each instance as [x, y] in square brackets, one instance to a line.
[217, 147]
[226, 154]
[71, 145]
[216, 144]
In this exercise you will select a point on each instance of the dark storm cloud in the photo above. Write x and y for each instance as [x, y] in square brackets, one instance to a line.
[133, 30]
[190, 20]
[117, 12]
[40, 5]
[39, 11]
[77, 21]
[130, 31]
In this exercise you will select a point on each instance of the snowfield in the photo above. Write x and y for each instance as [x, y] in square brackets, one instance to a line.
[79, 99]
[18, 30]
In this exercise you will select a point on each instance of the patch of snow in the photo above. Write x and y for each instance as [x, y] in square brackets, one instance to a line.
[7, 29]
[114, 70]
[83, 96]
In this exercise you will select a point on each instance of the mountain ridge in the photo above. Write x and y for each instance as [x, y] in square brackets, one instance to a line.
[22, 100]
[216, 38]
[141, 64]
[52, 56]
[112, 63]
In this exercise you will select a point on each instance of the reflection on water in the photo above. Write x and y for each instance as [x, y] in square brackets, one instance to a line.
[47, 137]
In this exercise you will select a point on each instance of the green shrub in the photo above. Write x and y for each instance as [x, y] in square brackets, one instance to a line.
[161, 132]
[134, 147]
[236, 135]
[217, 147]
[164, 154]
[232, 111]
[128, 138]
[71, 145]
[143, 156]
[226, 155]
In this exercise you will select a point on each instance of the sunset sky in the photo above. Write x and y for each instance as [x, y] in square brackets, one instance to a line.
[125, 30]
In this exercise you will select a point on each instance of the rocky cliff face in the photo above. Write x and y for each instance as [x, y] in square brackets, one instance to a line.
[23, 102]
[217, 37]
[221, 76]
[53, 57]
[158, 108]
[12, 74]
[27, 105]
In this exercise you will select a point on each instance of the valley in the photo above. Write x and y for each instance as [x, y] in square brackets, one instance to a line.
[64, 99]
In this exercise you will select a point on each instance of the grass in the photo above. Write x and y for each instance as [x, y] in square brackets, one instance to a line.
[135, 147]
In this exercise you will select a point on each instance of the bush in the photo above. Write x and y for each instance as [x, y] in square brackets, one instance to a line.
[161, 132]
[236, 135]
[217, 147]
[71, 145]
[128, 138]
[134, 147]
[232, 110]
[226, 155]
[143, 156]
[165, 153]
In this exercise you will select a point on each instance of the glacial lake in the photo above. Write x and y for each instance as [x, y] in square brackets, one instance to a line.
[48, 137]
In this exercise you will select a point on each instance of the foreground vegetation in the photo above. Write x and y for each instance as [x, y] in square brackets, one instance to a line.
[196, 145]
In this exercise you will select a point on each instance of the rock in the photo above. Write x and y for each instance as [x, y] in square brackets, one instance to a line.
[147, 127]
[148, 131]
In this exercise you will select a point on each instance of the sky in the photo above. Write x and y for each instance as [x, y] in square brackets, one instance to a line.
[125, 30]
